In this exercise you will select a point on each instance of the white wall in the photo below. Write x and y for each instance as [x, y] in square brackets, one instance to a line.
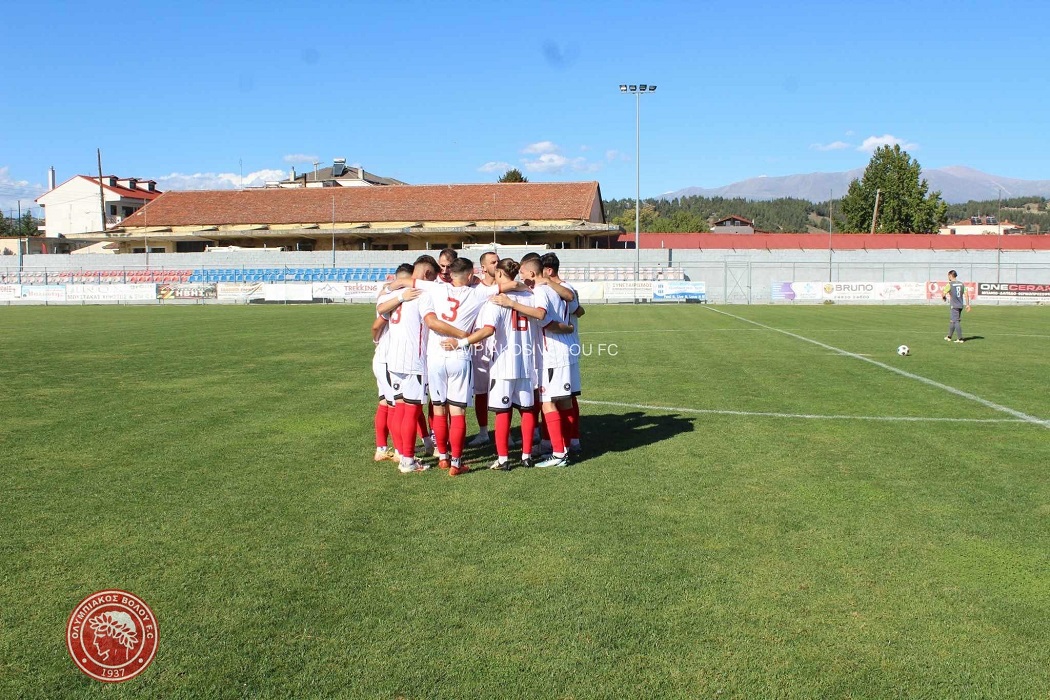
[72, 207]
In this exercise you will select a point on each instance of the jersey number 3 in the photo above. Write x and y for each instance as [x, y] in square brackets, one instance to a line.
[453, 309]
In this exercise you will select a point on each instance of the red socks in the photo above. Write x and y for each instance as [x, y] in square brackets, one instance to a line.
[409, 421]
[503, 433]
[421, 423]
[528, 424]
[457, 434]
[439, 422]
[381, 424]
[553, 421]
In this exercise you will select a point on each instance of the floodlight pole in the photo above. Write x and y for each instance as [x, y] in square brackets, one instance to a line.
[999, 236]
[831, 229]
[637, 91]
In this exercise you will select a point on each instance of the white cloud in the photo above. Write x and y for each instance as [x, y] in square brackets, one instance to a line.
[495, 166]
[541, 147]
[873, 142]
[833, 146]
[612, 154]
[13, 191]
[218, 181]
[556, 163]
[293, 158]
[850, 132]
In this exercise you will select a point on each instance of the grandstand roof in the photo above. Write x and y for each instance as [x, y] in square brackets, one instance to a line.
[569, 201]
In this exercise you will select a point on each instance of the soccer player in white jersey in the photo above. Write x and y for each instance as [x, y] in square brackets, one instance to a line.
[539, 309]
[481, 356]
[384, 417]
[510, 372]
[449, 371]
[555, 384]
[551, 266]
[406, 361]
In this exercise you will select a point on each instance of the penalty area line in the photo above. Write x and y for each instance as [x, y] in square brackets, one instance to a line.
[798, 416]
[925, 380]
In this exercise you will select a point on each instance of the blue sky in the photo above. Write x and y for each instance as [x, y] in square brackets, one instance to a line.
[201, 95]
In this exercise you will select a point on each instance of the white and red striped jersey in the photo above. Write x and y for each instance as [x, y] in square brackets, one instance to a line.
[383, 344]
[570, 309]
[407, 334]
[458, 307]
[554, 346]
[512, 346]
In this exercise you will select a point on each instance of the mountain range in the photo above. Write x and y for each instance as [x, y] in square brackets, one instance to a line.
[957, 184]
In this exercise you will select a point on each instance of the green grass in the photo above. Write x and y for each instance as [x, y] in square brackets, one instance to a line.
[216, 461]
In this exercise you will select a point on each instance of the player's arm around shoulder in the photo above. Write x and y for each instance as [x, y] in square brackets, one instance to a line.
[388, 306]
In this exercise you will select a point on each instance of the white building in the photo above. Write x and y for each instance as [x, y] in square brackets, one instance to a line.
[76, 205]
[336, 175]
[981, 226]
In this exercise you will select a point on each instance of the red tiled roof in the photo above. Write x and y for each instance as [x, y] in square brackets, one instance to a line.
[125, 191]
[399, 203]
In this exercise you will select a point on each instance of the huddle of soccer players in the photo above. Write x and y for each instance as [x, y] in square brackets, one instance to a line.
[503, 341]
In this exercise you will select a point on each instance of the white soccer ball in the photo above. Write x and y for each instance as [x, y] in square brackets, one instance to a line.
[903, 350]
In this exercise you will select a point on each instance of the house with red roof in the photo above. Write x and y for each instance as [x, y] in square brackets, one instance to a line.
[401, 217]
[82, 205]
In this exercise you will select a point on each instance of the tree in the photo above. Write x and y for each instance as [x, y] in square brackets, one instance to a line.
[904, 205]
[513, 175]
[29, 226]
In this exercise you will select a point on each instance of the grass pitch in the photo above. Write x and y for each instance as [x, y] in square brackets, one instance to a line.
[783, 518]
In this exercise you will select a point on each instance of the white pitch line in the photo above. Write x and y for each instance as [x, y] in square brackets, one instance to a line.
[806, 416]
[944, 387]
[851, 331]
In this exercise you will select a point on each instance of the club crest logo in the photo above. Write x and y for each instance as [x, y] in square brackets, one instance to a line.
[112, 636]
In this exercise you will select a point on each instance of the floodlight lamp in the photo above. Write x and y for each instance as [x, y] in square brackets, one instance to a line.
[652, 88]
[633, 88]
[623, 88]
[642, 88]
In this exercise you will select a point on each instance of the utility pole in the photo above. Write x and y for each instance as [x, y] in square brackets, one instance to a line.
[875, 213]
[101, 191]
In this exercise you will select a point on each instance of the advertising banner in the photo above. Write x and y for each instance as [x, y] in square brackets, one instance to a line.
[590, 291]
[202, 290]
[10, 292]
[44, 292]
[797, 291]
[679, 290]
[111, 292]
[1013, 289]
[874, 291]
[933, 288]
[628, 291]
[288, 292]
[239, 291]
[346, 291]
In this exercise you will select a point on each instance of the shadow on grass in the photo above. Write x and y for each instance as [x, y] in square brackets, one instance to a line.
[623, 432]
[973, 337]
[603, 433]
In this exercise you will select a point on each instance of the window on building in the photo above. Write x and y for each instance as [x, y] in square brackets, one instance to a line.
[127, 211]
[112, 209]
